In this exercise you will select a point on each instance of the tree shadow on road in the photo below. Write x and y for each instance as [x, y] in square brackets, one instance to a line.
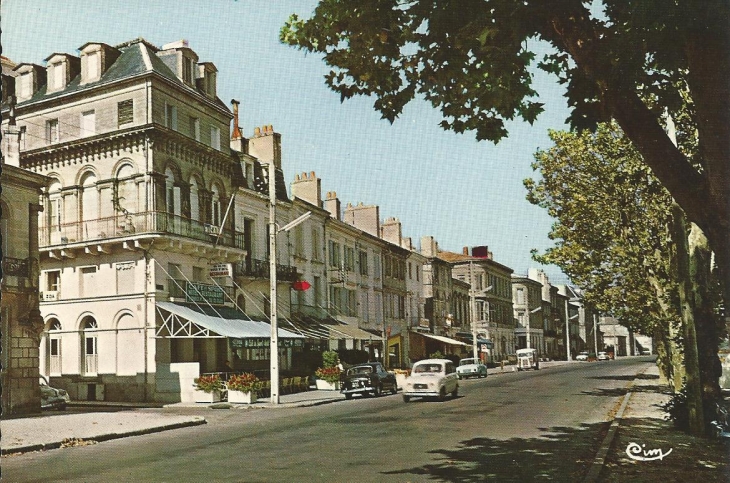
[561, 454]
[629, 377]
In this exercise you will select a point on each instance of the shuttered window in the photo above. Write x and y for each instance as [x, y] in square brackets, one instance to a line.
[125, 112]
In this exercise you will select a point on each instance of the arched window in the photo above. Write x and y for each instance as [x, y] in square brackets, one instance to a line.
[172, 193]
[126, 190]
[89, 349]
[194, 200]
[54, 347]
[89, 200]
[215, 208]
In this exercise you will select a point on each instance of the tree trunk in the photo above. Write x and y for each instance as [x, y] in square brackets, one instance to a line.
[691, 359]
[708, 325]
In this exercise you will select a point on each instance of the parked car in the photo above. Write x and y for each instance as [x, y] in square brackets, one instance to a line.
[603, 356]
[431, 378]
[583, 356]
[367, 379]
[52, 398]
[470, 367]
[527, 359]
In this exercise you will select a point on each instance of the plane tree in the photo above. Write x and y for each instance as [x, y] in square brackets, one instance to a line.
[471, 60]
[619, 236]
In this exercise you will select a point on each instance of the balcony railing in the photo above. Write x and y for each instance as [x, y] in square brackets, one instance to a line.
[137, 223]
[260, 269]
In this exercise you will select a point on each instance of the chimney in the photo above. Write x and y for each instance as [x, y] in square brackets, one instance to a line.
[308, 187]
[465, 251]
[332, 204]
[365, 218]
[429, 247]
[480, 252]
[407, 243]
[266, 145]
[236, 132]
[391, 231]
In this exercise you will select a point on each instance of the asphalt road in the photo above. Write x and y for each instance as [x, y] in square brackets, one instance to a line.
[540, 425]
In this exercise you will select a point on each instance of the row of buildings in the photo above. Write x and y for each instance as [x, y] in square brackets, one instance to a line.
[135, 228]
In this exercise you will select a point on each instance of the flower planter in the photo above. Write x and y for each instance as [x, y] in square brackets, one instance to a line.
[327, 386]
[241, 397]
[207, 397]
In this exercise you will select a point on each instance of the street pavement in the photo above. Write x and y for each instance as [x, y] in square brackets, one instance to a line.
[49, 431]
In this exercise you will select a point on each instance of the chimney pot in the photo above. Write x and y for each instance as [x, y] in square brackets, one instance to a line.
[465, 250]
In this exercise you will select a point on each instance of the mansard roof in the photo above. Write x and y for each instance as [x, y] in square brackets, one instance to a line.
[136, 57]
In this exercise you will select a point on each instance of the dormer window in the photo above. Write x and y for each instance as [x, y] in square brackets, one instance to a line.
[61, 68]
[29, 79]
[188, 68]
[96, 57]
[206, 81]
[25, 85]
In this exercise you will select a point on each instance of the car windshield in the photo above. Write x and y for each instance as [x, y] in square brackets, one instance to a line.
[359, 370]
[424, 368]
[465, 362]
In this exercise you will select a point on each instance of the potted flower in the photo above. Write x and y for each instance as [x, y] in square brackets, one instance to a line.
[208, 388]
[243, 388]
[328, 376]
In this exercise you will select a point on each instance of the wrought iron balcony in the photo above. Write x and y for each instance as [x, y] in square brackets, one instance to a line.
[260, 269]
[120, 226]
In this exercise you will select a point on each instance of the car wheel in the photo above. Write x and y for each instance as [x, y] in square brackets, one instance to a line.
[442, 394]
[455, 392]
[460, 376]
[406, 398]
[348, 396]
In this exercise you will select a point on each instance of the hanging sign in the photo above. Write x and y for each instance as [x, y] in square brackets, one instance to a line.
[221, 270]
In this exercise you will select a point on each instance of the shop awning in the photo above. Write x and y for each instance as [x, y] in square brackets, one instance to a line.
[441, 338]
[343, 330]
[181, 321]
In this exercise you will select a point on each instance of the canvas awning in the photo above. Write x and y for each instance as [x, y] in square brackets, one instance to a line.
[343, 330]
[181, 321]
[441, 338]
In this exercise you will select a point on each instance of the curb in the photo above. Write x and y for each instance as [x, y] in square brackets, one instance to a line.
[602, 453]
[196, 421]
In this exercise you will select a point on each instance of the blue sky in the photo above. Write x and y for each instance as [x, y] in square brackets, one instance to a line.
[461, 191]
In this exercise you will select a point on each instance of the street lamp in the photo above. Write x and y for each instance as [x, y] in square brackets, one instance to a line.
[273, 231]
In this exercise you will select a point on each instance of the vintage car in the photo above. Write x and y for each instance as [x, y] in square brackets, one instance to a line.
[431, 378]
[583, 356]
[470, 367]
[603, 356]
[368, 379]
[52, 398]
[527, 359]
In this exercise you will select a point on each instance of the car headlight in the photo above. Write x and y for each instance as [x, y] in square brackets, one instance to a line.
[61, 392]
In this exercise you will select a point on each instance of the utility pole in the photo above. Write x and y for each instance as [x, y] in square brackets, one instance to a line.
[274, 349]
[567, 330]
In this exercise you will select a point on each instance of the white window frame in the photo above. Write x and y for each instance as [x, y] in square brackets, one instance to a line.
[215, 137]
[53, 131]
[87, 126]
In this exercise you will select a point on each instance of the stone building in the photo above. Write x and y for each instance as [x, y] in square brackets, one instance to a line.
[527, 303]
[491, 290]
[138, 226]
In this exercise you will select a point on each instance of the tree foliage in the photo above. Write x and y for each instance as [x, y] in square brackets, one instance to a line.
[611, 229]
[471, 58]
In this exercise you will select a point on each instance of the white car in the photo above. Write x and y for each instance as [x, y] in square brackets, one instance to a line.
[583, 356]
[432, 378]
[470, 367]
[602, 356]
[52, 398]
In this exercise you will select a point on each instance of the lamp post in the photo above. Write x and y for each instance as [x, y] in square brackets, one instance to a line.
[273, 231]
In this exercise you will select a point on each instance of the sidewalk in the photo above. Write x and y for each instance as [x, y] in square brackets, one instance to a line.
[44, 431]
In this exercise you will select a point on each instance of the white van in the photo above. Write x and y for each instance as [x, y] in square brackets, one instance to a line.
[527, 359]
